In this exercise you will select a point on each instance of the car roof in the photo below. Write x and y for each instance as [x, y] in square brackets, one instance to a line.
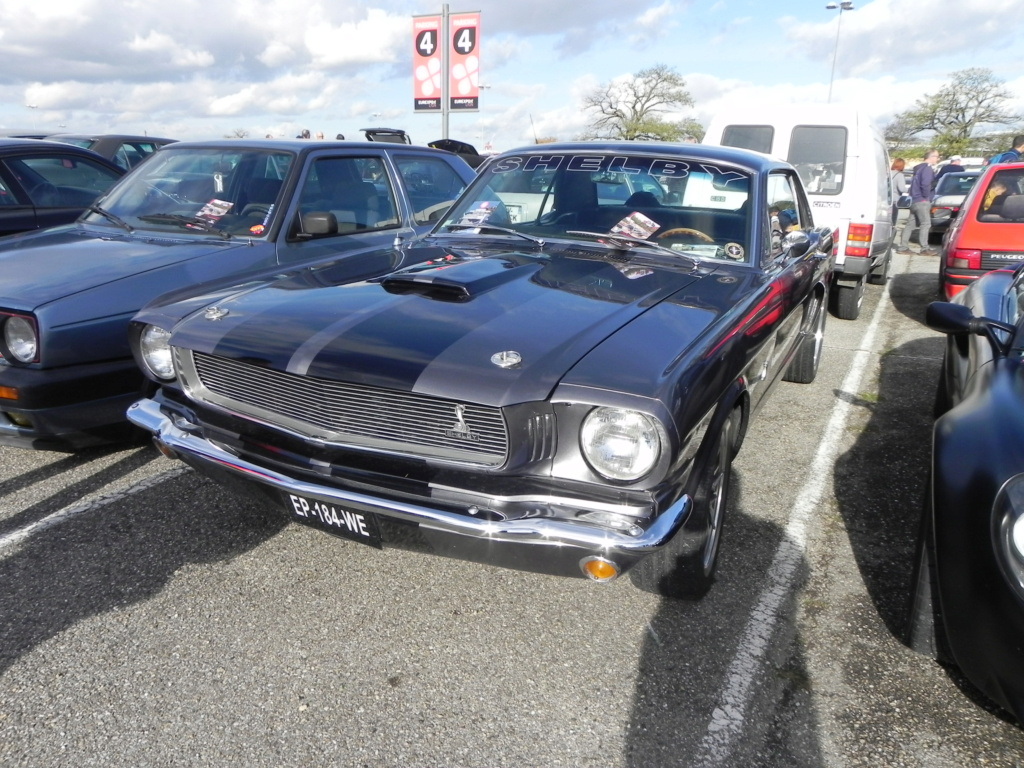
[119, 136]
[302, 145]
[755, 161]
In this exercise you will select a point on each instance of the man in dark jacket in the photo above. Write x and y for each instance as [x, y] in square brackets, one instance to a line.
[1013, 154]
[921, 188]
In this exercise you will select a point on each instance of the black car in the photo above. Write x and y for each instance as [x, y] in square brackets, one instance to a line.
[193, 214]
[124, 149]
[967, 606]
[561, 386]
[44, 184]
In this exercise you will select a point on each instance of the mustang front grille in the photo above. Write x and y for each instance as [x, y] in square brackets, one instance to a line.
[349, 414]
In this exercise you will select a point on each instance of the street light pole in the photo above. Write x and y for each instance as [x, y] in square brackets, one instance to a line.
[847, 5]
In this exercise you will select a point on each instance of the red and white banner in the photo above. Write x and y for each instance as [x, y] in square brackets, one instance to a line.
[426, 63]
[464, 61]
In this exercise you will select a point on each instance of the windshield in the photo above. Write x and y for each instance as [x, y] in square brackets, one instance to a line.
[683, 204]
[955, 184]
[224, 191]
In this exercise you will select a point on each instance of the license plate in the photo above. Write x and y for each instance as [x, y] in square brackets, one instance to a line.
[327, 516]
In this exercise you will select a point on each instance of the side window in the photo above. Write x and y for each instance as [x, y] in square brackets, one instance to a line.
[352, 192]
[62, 181]
[784, 208]
[432, 185]
[7, 197]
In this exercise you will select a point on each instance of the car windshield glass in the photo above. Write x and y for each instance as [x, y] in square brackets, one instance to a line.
[1003, 198]
[218, 191]
[685, 205]
[955, 184]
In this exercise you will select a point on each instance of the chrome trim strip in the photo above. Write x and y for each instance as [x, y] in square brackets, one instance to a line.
[535, 531]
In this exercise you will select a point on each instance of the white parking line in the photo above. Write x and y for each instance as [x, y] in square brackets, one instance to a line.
[14, 538]
[728, 718]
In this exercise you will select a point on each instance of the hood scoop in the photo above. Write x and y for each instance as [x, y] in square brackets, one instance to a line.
[460, 281]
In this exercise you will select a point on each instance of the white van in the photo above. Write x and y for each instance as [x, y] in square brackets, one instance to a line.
[843, 162]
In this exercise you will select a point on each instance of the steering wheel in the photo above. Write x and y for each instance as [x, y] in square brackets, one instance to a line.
[43, 193]
[261, 209]
[686, 232]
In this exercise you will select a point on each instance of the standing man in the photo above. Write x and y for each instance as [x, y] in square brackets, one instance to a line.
[953, 166]
[1013, 154]
[921, 187]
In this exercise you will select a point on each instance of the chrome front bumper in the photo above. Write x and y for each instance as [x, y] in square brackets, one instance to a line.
[550, 535]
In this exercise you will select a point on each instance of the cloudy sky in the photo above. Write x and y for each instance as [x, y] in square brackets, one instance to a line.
[191, 70]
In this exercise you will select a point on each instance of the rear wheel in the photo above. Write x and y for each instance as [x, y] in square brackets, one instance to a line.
[804, 365]
[847, 300]
[673, 574]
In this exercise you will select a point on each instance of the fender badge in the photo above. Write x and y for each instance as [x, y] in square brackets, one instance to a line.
[215, 313]
[507, 359]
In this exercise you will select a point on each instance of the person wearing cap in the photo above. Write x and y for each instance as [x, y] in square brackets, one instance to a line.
[953, 166]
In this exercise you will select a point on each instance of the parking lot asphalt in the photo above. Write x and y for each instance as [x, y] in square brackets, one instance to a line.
[149, 617]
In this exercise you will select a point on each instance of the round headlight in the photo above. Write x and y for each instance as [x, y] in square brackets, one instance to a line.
[20, 339]
[154, 344]
[620, 445]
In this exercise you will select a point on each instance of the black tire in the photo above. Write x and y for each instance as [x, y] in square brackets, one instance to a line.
[880, 274]
[925, 633]
[804, 366]
[670, 573]
[847, 300]
[942, 401]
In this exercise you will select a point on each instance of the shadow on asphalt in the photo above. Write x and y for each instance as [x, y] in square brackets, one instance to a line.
[880, 480]
[117, 554]
[690, 645]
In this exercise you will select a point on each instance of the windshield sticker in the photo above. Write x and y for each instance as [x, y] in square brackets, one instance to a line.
[257, 229]
[636, 225]
[658, 167]
[734, 251]
[214, 210]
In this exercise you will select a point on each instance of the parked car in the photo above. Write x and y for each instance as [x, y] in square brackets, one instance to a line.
[125, 150]
[194, 213]
[967, 606]
[562, 389]
[988, 233]
[842, 159]
[44, 184]
[950, 193]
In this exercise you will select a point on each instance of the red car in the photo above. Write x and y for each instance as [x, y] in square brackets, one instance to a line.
[988, 233]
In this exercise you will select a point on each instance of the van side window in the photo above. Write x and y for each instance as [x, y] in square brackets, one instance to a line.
[756, 137]
[819, 154]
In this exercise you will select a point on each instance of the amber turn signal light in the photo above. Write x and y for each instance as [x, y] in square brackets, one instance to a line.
[599, 569]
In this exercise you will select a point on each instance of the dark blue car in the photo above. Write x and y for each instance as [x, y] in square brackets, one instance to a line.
[967, 606]
[194, 214]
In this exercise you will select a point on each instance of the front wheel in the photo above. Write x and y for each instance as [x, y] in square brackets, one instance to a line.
[924, 628]
[673, 574]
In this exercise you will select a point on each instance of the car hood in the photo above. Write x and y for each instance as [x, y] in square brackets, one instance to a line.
[451, 327]
[40, 268]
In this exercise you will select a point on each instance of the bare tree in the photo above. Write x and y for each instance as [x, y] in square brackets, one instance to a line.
[951, 118]
[633, 109]
[237, 133]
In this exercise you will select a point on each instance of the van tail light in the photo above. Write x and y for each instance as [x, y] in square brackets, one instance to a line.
[963, 258]
[858, 239]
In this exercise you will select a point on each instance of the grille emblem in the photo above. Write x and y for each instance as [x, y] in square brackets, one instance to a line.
[507, 359]
[461, 430]
[215, 313]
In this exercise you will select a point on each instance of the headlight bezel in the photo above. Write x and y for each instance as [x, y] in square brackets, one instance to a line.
[1008, 523]
[155, 352]
[14, 350]
[604, 424]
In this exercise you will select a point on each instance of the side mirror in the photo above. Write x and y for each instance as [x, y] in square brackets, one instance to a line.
[796, 242]
[319, 223]
[946, 317]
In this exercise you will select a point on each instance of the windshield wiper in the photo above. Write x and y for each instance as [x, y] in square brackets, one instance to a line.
[629, 243]
[185, 221]
[494, 227]
[112, 218]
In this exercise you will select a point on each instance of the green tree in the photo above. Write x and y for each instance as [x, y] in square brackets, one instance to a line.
[634, 109]
[951, 119]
